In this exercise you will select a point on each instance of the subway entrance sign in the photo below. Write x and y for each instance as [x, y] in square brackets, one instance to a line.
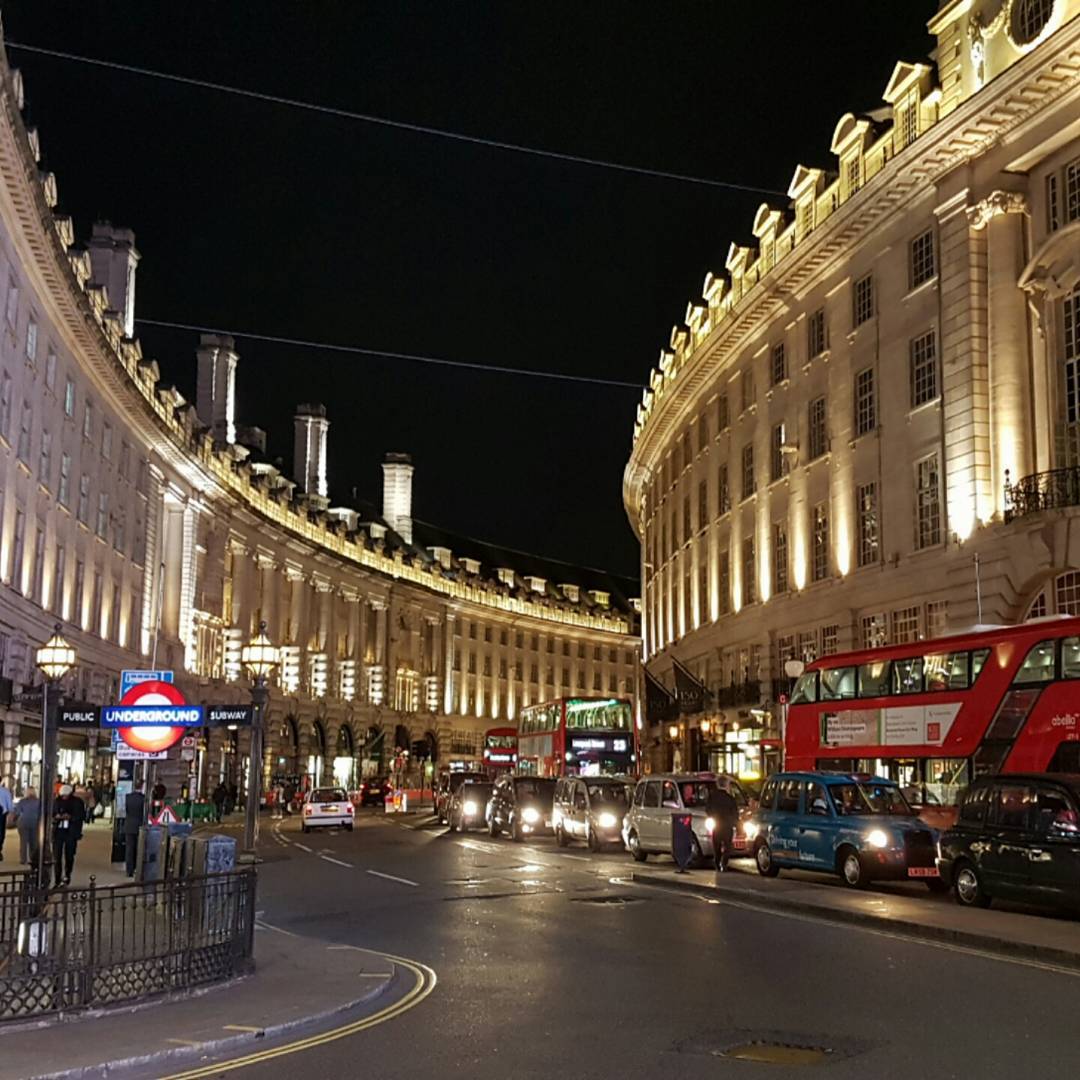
[152, 716]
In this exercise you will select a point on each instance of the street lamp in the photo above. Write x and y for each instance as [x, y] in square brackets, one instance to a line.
[54, 659]
[260, 658]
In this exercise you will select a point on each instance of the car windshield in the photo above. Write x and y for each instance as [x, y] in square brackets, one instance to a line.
[328, 794]
[457, 779]
[869, 798]
[540, 789]
[476, 791]
[608, 793]
[696, 792]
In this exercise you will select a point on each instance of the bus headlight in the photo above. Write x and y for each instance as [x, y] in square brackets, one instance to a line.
[607, 820]
[877, 838]
[470, 808]
[530, 815]
[750, 829]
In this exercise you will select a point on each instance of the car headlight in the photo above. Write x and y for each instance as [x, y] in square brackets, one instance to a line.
[531, 815]
[877, 838]
[750, 829]
[607, 820]
[470, 808]
[710, 824]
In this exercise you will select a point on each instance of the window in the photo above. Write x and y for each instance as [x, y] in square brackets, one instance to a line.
[95, 604]
[806, 217]
[787, 796]
[702, 505]
[875, 631]
[17, 557]
[69, 397]
[25, 425]
[778, 459]
[50, 369]
[566, 648]
[863, 297]
[830, 640]
[973, 808]
[83, 513]
[1038, 665]
[909, 123]
[948, 671]
[45, 458]
[88, 420]
[927, 503]
[818, 439]
[1071, 353]
[502, 668]
[907, 675]
[747, 385]
[921, 267]
[58, 580]
[1011, 806]
[937, 618]
[80, 588]
[865, 402]
[779, 364]
[749, 585]
[5, 404]
[807, 647]
[866, 501]
[106, 441]
[12, 306]
[31, 341]
[688, 450]
[816, 340]
[780, 558]
[723, 492]
[703, 432]
[63, 491]
[874, 678]
[924, 385]
[1067, 593]
[1072, 190]
[723, 418]
[1029, 19]
[820, 561]
[119, 532]
[748, 485]
[724, 584]
[703, 593]
[853, 175]
[102, 514]
[687, 532]
[905, 625]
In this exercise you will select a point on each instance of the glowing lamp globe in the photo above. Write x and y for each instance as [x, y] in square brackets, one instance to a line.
[56, 657]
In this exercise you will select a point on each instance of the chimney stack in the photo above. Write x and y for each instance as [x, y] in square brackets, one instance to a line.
[397, 494]
[215, 386]
[113, 259]
[309, 450]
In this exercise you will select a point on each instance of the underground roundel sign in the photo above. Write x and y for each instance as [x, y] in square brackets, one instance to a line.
[152, 716]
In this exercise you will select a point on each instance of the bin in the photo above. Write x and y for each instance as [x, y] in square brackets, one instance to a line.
[150, 859]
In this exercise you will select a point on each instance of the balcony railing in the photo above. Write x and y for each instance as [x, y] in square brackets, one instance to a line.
[1051, 490]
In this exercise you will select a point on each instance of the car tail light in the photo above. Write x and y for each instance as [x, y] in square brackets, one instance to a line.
[307, 809]
[352, 809]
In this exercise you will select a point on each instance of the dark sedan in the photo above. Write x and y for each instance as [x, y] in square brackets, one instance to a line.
[467, 806]
[374, 790]
[1017, 837]
[521, 806]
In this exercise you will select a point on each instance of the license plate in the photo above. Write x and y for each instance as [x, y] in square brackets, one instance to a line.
[739, 843]
[923, 871]
[329, 809]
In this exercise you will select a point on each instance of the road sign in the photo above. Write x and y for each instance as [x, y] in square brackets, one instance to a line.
[128, 679]
[129, 753]
[166, 817]
[187, 753]
[152, 716]
[79, 714]
[188, 742]
[229, 715]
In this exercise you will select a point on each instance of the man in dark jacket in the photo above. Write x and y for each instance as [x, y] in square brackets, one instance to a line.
[69, 815]
[724, 811]
[220, 796]
[134, 818]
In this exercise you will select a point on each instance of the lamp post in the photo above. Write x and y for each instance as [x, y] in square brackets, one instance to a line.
[793, 669]
[259, 658]
[54, 659]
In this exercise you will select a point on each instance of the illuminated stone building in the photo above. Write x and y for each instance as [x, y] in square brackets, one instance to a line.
[155, 529]
[866, 428]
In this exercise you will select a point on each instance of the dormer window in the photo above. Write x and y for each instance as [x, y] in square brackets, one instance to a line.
[1029, 19]
[505, 575]
[472, 566]
[806, 217]
[853, 174]
[571, 592]
[600, 599]
[536, 584]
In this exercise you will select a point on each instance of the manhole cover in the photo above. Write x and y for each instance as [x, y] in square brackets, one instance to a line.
[777, 1054]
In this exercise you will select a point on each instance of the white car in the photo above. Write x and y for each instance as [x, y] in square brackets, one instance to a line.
[327, 807]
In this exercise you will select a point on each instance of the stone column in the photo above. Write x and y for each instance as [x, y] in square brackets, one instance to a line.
[448, 663]
[10, 749]
[1000, 214]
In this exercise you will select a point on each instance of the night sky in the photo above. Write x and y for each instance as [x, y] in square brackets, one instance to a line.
[262, 218]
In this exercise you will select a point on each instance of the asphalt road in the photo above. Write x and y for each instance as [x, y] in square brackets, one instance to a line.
[549, 966]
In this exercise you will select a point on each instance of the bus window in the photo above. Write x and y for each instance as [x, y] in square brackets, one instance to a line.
[837, 683]
[946, 671]
[907, 675]
[1038, 665]
[1070, 658]
[874, 678]
[978, 661]
[805, 689]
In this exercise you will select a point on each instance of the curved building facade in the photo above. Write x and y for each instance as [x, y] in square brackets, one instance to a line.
[156, 532]
[867, 429]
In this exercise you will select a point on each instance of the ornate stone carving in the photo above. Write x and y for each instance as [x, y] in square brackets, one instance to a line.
[997, 202]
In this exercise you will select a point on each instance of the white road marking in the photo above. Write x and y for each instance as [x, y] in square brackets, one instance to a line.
[302, 847]
[337, 862]
[390, 877]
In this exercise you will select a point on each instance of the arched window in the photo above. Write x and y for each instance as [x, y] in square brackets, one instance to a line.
[1061, 596]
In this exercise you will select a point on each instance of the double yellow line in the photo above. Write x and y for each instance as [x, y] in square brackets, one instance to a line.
[423, 985]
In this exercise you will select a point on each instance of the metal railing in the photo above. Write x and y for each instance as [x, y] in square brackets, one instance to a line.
[1042, 491]
[76, 948]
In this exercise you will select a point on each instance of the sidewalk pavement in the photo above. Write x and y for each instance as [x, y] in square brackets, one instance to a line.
[906, 909]
[298, 982]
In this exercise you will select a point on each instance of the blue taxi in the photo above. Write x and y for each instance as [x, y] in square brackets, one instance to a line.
[859, 827]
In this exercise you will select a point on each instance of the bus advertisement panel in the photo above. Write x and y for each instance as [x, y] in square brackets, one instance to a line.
[577, 737]
[500, 750]
[933, 715]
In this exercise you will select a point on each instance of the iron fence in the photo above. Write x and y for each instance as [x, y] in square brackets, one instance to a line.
[75, 948]
[1051, 490]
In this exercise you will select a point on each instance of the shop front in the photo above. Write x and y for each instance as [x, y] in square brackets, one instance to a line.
[344, 760]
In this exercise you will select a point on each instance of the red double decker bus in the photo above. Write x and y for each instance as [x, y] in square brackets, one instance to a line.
[933, 715]
[500, 750]
[577, 737]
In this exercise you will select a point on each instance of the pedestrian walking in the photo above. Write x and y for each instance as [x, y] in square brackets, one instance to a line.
[279, 801]
[69, 816]
[219, 796]
[230, 797]
[7, 804]
[134, 816]
[27, 813]
[724, 811]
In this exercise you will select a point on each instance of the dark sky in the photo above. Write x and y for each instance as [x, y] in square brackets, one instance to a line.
[263, 218]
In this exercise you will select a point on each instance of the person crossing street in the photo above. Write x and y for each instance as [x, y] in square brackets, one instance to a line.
[724, 811]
